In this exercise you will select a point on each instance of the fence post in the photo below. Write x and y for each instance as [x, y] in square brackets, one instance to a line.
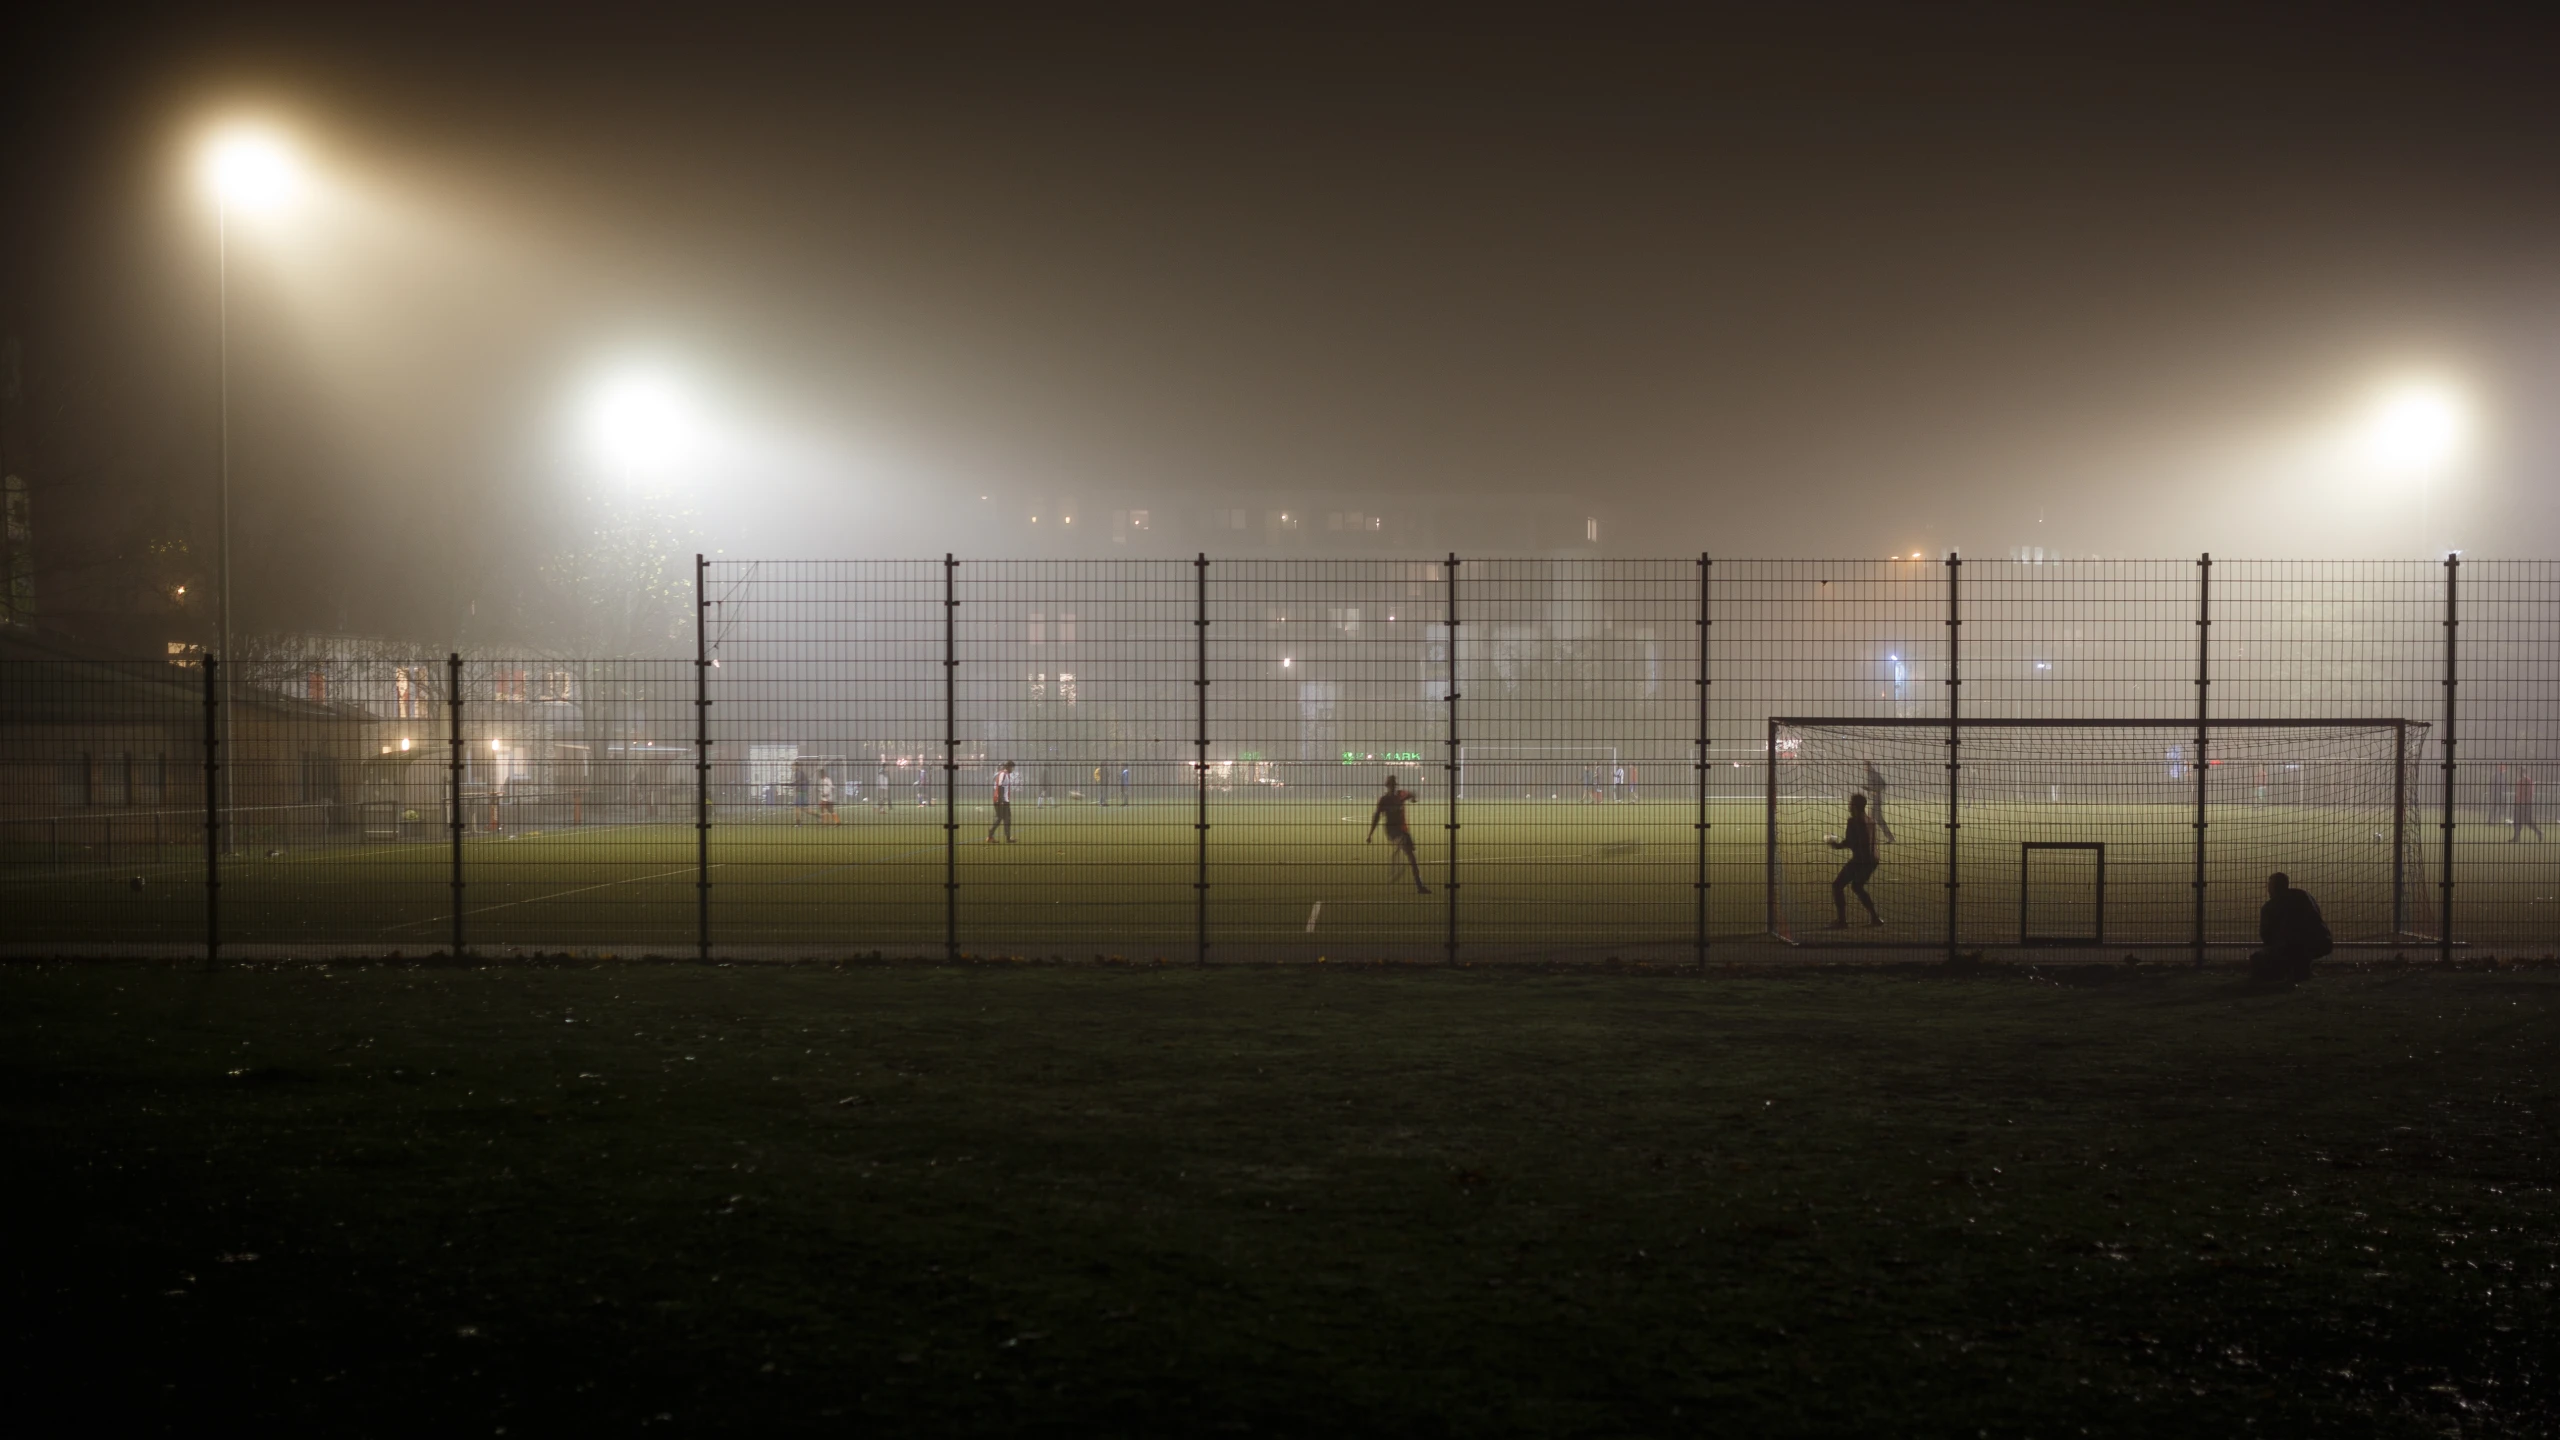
[2452, 676]
[1200, 755]
[2399, 830]
[950, 757]
[701, 761]
[1450, 881]
[2204, 681]
[1706, 620]
[1769, 830]
[453, 784]
[1955, 743]
[212, 810]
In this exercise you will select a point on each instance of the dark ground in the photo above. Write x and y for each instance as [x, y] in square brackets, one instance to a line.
[386, 1199]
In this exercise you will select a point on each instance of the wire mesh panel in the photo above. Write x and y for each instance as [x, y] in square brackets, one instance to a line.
[102, 814]
[1826, 637]
[1326, 679]
[2509, 716]
[1577, 742]
[577, 790]
[1551, 706]
[2321, 802]
[337, 814]
[827, 738]
[2073, 639]
[1075, 712]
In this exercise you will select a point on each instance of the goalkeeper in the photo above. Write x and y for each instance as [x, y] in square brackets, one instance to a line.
[1860, 842]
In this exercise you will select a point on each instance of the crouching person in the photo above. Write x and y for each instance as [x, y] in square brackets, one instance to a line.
[2293, 933]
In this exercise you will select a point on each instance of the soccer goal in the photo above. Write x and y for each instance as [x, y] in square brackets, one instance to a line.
[2094, 832]
[1500, 771]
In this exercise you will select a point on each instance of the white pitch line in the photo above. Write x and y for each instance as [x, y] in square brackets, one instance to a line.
[535, 899]
[1314, 911]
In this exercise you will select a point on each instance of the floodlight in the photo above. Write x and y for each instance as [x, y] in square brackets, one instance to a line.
[641, 420]
[2417, 425]
[250, 169]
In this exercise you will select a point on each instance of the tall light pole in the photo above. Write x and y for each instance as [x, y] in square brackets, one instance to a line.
[250, 170]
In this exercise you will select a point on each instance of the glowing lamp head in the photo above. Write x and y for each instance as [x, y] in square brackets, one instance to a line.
[641, 421]
[251, 170]
[2416, 426]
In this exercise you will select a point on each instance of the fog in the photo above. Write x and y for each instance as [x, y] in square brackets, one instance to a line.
[1865, 282]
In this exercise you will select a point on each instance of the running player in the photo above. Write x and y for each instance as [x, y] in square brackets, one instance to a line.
[1399, 837]
[1004, 805]
[1860, 842]
[2524, 808]
[880, 790]
[799, 795]
[924, 798]
[1875, 788]
[827, 797]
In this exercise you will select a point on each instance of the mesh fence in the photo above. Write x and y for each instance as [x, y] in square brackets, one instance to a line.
[1192, 760]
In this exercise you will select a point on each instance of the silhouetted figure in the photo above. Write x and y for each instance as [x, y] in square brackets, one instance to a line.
[2292, 930]
[1400, 856]
[1860, 842]
[2524, 808]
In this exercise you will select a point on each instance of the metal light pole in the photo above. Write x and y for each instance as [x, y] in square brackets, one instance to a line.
[222, 522]
[243, 166]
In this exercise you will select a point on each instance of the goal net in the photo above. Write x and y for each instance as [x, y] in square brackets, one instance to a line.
[2086, 832]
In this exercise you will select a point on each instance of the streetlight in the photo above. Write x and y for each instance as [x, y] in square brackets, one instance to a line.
[249, 169]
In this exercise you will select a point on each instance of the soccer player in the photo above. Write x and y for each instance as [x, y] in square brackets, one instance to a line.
[924, 798]
[1004, 805]
[2524, 807]
[1617, 783]
[880, 791]
[799, 795]
[827, 797]
[1860, 842]
[1874, 788]
[1399, 836]
[1124, 786]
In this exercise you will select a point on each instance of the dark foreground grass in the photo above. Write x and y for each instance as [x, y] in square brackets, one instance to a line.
[543, 1200]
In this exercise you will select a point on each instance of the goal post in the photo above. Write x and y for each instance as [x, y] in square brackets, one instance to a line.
[2095, 831]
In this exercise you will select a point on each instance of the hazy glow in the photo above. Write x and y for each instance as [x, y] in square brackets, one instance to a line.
[250, 169]
[641, 422]
[2417, 425]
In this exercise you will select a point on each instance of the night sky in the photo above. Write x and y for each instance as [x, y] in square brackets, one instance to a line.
[1845, 281]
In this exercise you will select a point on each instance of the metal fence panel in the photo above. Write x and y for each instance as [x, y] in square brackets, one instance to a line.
[1199, 749]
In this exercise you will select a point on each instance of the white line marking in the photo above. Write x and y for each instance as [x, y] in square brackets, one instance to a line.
[535, 899]
[1312, 913]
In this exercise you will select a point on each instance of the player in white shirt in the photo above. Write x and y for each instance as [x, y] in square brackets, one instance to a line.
[1004, 805]
[827, 798]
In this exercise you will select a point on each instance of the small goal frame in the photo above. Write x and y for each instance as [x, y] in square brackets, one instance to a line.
[2200, 732]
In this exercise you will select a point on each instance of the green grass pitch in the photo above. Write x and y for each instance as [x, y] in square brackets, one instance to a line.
[1288, 878]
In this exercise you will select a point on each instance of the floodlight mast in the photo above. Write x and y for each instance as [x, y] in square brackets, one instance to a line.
[249, 169]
